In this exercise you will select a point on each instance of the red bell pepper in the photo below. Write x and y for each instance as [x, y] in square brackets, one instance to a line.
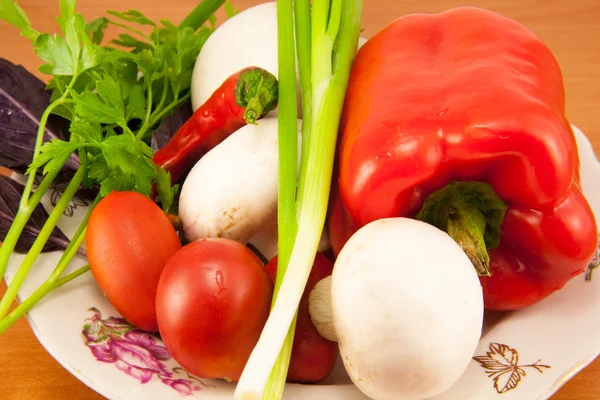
[458, 119]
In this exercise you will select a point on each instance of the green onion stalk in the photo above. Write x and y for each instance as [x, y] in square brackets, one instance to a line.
[288, 156]
[334, 30]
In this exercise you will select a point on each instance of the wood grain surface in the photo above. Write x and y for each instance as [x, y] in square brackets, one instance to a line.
[570, 28]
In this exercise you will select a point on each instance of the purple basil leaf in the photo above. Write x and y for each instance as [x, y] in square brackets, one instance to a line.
[23, 99]
[170, 125]
[10, 196]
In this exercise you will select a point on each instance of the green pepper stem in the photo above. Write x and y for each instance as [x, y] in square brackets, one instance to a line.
[472, 214]
[256, 90]
[466, 225]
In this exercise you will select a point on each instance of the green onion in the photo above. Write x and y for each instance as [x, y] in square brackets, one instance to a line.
[288, 159]
[334, 40]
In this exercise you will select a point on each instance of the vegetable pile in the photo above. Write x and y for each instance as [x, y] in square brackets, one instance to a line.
[267, 208]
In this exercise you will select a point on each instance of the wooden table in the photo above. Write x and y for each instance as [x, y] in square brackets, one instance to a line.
[570, 28]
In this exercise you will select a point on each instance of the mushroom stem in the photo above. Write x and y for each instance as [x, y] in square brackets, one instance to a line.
[319, 308]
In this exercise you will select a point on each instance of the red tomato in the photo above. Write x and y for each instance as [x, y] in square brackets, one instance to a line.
[129, 241]
[213, 301]
[313, 356]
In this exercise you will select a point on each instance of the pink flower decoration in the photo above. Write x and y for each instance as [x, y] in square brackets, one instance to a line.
[133, 351]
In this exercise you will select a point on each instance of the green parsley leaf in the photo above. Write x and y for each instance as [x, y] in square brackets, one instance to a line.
[53, 155]
[71, 24]
[129, 41]
[129, 163]
[95, 29]
[67, 10]
[14, 15]
[55, 52]
[67, 56]
[106, 106]
[91, 106]
[115, 182]
[132, 16]
[150, 63]
[168, 24]
[91, 55]
[89, 131]
[136, 103]
[98, 169]
[110, 92]
[119, 152]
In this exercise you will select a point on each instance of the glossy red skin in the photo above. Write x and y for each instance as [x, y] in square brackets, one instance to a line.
[313, 356]
[340, 226]
[129, 241]
[212, 303]
[470, 95]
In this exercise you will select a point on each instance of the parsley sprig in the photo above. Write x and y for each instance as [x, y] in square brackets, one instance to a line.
[114, 95]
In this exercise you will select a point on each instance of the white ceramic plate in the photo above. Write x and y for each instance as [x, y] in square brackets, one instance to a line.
[527, 354]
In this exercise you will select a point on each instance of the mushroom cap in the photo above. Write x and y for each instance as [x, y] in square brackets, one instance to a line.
[231, 192]
[407, 308]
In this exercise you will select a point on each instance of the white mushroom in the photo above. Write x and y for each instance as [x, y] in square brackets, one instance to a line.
[231, 192]
[406, 307]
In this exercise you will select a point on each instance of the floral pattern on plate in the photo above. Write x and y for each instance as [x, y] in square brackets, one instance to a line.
[501, 364]
[135, 352]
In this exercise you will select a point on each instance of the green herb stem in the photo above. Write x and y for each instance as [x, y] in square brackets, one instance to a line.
[81, 230]
[69, 277]
[168, 109]
[55, 281]
[38, 245]
[20, 221]
[163, 98]
[146, 123]
[201, 14]
[38, 295]
[38, 143]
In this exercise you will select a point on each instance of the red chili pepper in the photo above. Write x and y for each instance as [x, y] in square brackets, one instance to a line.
[243, 98]
[313, 357]
[466, 109]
